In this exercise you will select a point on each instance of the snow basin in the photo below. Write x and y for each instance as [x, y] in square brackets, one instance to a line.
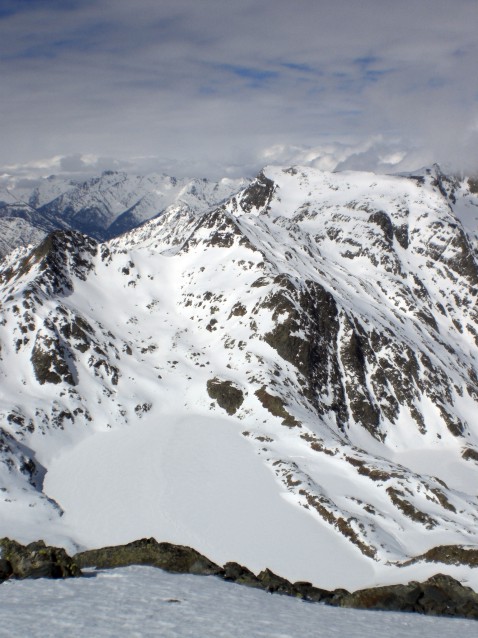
[196, 482]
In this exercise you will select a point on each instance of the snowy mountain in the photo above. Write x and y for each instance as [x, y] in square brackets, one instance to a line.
[288, 380]
[101, 207]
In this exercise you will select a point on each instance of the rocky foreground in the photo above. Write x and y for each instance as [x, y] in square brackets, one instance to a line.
[440, 595]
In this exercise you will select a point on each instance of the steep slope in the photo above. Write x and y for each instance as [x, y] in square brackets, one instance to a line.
[288, 380]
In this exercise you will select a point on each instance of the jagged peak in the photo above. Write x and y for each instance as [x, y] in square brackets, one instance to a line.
[52, 263]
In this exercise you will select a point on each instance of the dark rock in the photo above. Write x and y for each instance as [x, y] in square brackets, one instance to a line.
[312, 311]
[36, 560]
[50, 359]
[6, 569]
[440, 595]
[147, 551]
[228, 396]
[401, 235]
[60, 255]
[240, 575]
[223, 231]
[308, 592]
[363, 408]
[276, 584]
[470, 454]
[273, 583]
[258, 194]
[398, 499]
[473, 184]
[275, 405]
[448, 555]
[384, 222]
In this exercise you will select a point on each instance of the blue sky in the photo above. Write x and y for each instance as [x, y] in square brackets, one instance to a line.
[219, 87]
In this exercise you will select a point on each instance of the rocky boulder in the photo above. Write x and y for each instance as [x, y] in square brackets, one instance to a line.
[440, 595]
[36, 560]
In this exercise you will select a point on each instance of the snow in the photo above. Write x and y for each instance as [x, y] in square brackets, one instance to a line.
[119, 201]
[197, 484]
[454, 472]
[145, 602]
[15, 231]
[236, 487]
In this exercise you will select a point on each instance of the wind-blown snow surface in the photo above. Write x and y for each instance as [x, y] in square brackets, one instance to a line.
[144, 601]
[288, 380]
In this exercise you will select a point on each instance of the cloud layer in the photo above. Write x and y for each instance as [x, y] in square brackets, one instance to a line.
[216, 87]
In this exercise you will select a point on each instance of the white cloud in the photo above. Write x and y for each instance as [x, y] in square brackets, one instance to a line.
[374, 154]
[206, 87]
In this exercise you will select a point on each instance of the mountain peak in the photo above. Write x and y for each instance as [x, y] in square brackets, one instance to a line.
[301, 355]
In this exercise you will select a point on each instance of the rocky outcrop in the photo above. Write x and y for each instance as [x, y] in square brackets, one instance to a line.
[228, 396]
[440, 595]
[147, 551]
[258, 195]
[36, 560]
[448, 555]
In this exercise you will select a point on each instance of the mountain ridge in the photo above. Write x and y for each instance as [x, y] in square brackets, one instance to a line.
[327, 320]
[102, 206]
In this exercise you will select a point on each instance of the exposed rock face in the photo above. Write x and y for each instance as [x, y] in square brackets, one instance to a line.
[241, 575]
[171, 558]
[275, 405]
[228, 396]
[258, 194]
[438, 596]
[35, 560]
[449, 555]
[59, 257]
[50, 359]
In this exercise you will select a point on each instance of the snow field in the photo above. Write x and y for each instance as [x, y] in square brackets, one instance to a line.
[144, 602]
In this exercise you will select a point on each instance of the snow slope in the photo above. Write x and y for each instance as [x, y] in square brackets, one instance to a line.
[287, 380]
[144, 602]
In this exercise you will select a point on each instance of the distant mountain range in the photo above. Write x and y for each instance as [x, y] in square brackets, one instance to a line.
[283, 376]
[101, 207]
